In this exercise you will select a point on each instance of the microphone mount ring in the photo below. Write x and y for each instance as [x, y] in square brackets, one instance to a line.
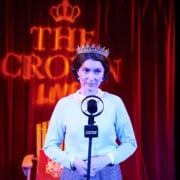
[99, 102]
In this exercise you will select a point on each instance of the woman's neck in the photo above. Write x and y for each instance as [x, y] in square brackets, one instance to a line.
[88, 93]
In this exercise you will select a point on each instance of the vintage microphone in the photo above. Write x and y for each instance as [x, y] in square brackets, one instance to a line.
[91, 106]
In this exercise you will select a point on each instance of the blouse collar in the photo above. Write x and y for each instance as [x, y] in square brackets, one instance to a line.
[79, 96]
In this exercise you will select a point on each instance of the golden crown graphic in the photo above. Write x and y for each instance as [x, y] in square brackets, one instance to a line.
[65, 11]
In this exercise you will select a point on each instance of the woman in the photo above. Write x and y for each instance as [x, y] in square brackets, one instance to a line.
[90, 68]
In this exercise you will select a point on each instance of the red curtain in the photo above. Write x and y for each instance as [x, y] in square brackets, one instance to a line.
[37, 44]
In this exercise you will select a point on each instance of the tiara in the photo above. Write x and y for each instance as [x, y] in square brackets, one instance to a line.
[92, 49]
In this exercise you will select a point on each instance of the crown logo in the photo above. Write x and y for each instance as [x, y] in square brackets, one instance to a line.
[64, 11]
[92, 49]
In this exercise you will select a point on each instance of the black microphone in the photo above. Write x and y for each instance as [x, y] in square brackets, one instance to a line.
[92, 106]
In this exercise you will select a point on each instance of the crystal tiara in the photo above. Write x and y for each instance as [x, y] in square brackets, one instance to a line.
[92, 49]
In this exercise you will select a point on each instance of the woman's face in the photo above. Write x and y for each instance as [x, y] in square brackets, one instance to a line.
[91, 75]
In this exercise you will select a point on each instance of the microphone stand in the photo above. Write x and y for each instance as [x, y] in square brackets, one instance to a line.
[89, 158]
[90, 131]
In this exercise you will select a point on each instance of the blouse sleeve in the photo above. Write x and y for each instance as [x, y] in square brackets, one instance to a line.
[125, 134]
[55, 136]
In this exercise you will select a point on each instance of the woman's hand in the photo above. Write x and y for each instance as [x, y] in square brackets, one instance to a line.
[99, 162]
[81, 166]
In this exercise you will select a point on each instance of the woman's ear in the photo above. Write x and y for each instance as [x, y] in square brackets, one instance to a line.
[78, 73]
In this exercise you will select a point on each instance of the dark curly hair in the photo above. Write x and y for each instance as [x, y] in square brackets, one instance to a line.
[81, 58]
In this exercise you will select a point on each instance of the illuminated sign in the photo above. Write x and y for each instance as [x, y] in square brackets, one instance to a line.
[53, 50]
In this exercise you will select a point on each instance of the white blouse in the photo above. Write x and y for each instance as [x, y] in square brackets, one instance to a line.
[67, 124]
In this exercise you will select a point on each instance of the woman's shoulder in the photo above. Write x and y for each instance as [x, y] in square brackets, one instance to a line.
[114, 100]
[65, 99]
[111, 95]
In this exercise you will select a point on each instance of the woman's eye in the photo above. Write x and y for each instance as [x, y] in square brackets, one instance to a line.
[97, 71]
[86, 70]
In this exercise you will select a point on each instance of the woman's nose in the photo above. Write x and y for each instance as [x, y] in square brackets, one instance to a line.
[91, 76]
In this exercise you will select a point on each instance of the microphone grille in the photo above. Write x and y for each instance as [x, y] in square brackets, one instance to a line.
[92, 106]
